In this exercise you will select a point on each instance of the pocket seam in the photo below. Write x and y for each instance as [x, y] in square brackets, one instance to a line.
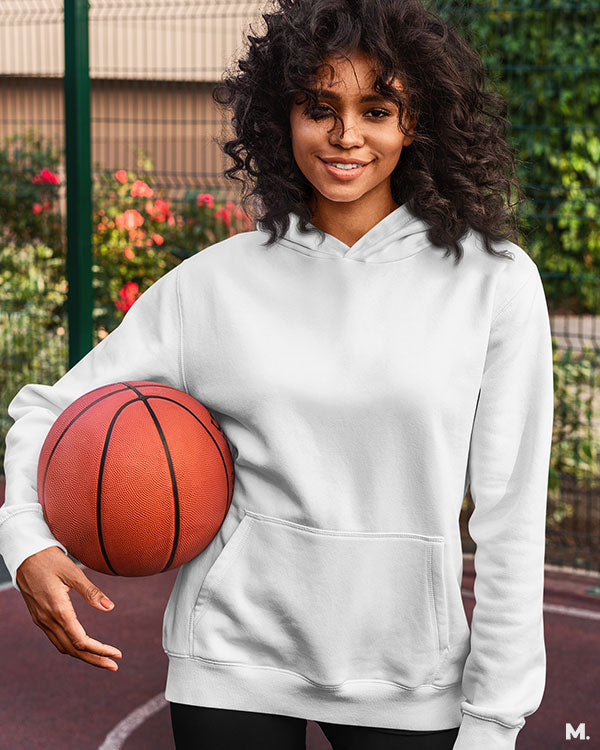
[174, 593]
[432, 607]
[195, 618]
[432, 557]
[442, 640]
[350, 534]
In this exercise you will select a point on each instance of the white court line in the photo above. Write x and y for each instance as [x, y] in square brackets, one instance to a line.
[560, 609]
[118, 736]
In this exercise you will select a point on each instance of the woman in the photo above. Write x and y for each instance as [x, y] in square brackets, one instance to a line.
[363, 381]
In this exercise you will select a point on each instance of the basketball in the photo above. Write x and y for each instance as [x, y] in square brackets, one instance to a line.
[135, 478]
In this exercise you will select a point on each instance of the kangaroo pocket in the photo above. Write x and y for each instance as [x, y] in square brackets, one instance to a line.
[328, 605]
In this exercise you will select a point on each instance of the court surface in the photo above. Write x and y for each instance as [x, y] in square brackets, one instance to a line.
[50, 700]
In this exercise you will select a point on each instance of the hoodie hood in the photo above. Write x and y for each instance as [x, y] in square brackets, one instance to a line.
[398, 235]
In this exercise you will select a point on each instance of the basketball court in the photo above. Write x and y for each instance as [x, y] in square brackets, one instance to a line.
[51, 700]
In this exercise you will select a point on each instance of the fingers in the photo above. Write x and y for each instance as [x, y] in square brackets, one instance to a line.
[76, 579]
[70, 638]
[44, 581]
[69, 633]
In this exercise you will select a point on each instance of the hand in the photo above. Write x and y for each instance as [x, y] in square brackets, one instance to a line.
[45, 579]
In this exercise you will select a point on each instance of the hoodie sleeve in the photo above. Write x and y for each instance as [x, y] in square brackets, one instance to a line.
[146, 345]
[505, 672]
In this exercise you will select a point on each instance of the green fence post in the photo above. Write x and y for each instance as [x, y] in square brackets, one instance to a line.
[79, 186]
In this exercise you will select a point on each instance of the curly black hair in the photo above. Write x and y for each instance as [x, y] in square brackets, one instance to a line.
[457, 171]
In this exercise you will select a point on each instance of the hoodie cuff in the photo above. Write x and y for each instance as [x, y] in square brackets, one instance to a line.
[485, 733]
[23, 532]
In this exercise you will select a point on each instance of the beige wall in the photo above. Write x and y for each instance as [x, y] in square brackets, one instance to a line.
[189, 40]
[173, 121]
[152, 68]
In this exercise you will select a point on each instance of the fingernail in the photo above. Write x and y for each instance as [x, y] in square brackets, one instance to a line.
[106, 603]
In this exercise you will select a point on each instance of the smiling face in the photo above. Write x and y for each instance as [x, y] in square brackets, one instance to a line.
[371, 135]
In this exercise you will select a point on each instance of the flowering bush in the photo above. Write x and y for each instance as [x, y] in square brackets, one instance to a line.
[29, 189]
[33, 340]
[138, 235]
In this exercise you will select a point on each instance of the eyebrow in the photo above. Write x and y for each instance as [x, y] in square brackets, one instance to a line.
[328, 94]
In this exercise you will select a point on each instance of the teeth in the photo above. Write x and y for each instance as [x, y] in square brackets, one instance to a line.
[344, 166]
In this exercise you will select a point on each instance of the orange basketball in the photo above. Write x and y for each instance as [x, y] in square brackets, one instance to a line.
[135, 478]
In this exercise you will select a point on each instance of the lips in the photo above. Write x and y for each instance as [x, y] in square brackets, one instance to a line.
[343, 161]
[344, 175]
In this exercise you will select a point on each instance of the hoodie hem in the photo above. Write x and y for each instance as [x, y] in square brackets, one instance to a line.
[239, 687]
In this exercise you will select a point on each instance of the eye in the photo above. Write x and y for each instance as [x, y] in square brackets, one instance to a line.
[319, 112]
[383, 112]
[316, 113]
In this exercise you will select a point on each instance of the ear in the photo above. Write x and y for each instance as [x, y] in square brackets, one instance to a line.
[411, 126]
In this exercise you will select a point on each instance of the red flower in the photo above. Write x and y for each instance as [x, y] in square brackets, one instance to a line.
[46, 177]
[141, 189]
[160, 211]
[205, 198]
[157, 238]
[128, 295]
[37, 208]
[121, 175]
[130, 219]
[223, 213]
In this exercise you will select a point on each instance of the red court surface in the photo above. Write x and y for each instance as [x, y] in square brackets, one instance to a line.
[56, 702]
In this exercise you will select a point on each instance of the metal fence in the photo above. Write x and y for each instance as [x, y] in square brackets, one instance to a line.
[152, 68]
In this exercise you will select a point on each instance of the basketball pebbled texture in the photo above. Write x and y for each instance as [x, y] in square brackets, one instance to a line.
[135, 478]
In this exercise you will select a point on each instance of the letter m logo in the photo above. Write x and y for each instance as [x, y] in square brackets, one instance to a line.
[571, 734]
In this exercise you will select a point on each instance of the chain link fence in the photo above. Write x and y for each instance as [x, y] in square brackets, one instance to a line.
[159, 194]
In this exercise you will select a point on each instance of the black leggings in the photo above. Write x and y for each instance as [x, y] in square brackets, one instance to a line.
[201, 728]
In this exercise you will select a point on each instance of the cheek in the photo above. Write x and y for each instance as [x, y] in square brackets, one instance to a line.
[390, 146]
[306, 141]
[392, 140]
[304, 132]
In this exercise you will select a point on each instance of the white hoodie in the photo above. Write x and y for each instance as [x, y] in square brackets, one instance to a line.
[362, 389]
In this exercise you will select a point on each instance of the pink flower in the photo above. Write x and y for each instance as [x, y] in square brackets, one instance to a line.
[141, 189]
[130, 219]
[128, 295]
[46, 177]
[207, 198]
[223, 213]
[128, 253]
[37, 208]
[121, 175]
[160, 211]
[157, 238]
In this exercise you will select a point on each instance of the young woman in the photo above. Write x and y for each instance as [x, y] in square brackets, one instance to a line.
[364, 381]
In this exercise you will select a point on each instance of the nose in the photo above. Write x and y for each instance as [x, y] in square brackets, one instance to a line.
[348, 132]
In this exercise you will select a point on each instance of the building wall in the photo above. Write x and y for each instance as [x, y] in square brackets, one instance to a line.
[152, 69]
